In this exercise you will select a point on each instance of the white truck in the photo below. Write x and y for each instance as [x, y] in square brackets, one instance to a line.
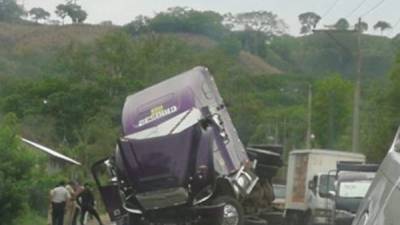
[307, 185]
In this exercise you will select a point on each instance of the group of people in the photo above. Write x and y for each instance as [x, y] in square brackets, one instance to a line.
[68, 201]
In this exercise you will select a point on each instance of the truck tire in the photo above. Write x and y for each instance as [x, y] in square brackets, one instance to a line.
[233, 210]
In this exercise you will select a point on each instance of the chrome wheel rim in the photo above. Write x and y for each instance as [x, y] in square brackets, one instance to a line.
[231, 215]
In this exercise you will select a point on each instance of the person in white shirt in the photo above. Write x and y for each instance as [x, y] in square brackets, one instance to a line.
[59, 197]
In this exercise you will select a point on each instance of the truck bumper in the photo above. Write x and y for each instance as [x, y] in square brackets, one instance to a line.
[197, 215]
[344, 221]
[321, 220]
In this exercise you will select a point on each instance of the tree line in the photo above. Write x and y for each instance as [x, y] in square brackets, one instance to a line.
[310, 20]
[11, 11]
[259, 21]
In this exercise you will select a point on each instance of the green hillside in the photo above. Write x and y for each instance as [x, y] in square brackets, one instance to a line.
[25, 48]
[324, 53]
[49, 62]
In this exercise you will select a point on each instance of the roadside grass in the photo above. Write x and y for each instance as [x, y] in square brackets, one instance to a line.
[30, 218]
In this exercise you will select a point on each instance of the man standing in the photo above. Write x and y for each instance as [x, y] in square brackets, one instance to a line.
[86, 201]
[59, 197]
[77, 189]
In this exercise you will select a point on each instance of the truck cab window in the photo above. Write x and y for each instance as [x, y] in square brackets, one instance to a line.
[326, 184]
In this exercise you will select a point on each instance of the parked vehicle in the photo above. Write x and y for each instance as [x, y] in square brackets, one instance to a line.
[309, 182]
[351, 186]
[280, 196]
[275, 214]
[269, 161]
[380, 205]
[260, 203]
[179, 160]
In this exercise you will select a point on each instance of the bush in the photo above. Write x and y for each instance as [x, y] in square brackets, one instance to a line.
[15, 171]
[30, 218]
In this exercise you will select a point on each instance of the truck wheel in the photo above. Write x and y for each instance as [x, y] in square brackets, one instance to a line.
[233, 210]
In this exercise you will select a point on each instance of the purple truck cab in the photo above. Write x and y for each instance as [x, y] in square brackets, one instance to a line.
[179, 159]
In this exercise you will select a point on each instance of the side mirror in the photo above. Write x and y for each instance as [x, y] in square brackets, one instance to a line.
[311, 186]
[332, 194]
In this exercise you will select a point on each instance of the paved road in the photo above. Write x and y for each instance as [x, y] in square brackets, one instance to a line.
[106, 221]
[104, 218]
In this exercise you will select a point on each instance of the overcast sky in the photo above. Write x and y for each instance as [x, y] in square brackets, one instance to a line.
[124, 11]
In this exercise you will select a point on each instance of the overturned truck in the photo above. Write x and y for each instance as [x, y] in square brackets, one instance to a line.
[179, 160]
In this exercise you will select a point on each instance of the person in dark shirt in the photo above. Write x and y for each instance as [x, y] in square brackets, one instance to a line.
[86, 202]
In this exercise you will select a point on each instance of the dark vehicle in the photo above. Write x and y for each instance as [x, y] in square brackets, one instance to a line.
[352, 183]
[381, 204]
[179, 160]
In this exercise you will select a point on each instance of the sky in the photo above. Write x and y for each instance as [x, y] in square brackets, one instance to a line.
[123, 11]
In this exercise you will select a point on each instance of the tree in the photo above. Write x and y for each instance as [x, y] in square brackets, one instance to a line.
[260, 21]
[138, 26]
[382, 26]
[362, 27]
[383, 103]
[10, 10]
[39, 14]
[16, 164]
[76, 13]
[62, 11]
[73, 11]
[332, 104]
[342, 24]
[308, 21]
[179, 19]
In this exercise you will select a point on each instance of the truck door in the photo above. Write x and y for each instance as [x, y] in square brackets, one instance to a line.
[109, 189]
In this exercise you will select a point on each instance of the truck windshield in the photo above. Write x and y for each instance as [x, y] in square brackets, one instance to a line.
[326, 183]
[354, 189]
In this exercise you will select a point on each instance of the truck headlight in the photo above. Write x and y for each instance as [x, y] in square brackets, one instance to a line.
[243, 181]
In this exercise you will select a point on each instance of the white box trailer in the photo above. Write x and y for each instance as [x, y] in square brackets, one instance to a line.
[306, 168]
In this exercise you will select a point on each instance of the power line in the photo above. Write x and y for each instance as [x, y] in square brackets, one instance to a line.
[373, 8]
[397, 23]
[329, 10]
[357, 8]
[394, 26]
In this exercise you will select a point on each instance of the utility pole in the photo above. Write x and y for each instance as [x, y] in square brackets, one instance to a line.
[309, 117]
[357, 88]
[357, 94]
